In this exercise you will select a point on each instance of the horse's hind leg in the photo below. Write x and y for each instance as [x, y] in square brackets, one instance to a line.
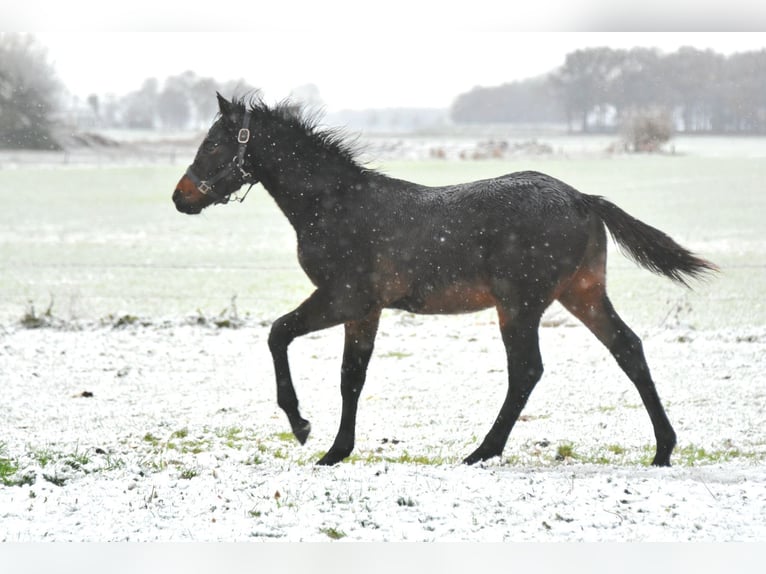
[525, 367]
[586, 299]
[360, 339]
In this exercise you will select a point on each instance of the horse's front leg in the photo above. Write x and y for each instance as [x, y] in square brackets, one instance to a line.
[320, 311]
[360, 339]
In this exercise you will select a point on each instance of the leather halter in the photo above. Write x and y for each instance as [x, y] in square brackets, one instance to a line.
[236, 167]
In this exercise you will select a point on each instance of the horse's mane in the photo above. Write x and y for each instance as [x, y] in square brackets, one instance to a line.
[306, 124]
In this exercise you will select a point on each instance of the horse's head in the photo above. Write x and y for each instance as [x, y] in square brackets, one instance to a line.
[218, 169]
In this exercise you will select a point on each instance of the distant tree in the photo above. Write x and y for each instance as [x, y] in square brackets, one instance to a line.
[527, 101]
[94, 103]
[202, 95]
[584, 82]
[29, 94]
[637, 80]
[173, 108]
[647, 130]
[745, 98]
[140, 107]
[700, 91]
[174, 103]
[694, 80]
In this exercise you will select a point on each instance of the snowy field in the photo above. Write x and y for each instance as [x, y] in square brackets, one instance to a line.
[172, 433]
[139, 403]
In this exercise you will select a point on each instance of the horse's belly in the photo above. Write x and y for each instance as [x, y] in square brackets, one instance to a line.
[456, 298]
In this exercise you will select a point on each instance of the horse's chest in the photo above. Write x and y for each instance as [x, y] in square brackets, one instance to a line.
[325, 259]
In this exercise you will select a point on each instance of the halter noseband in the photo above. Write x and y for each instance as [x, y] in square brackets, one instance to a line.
[206, 186]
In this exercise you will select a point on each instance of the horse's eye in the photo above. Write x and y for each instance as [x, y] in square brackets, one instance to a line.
[210, 146]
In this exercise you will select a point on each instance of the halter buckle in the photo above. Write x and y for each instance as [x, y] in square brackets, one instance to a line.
[243, 136]
[204, 188]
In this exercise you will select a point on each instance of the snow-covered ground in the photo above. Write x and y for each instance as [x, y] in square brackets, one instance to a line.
[170, 431]
[125, 429]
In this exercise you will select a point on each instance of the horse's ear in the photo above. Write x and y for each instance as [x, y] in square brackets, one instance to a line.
[226, 107]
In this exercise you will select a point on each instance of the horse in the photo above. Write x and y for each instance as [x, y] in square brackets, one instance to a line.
[368, 241]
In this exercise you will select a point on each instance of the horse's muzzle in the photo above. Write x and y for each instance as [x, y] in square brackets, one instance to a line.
[183, 205]
[187, 197]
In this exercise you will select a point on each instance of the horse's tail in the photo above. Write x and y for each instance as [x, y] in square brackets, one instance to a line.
[647, 246]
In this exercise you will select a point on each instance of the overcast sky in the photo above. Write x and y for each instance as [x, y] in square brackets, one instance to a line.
[383, 53]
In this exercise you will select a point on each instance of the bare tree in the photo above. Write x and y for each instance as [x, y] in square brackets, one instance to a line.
[29, 94]
[647, 130]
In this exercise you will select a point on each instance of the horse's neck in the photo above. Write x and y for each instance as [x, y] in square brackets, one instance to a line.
[303, 186]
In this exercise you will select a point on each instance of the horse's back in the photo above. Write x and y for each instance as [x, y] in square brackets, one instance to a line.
[459, 242]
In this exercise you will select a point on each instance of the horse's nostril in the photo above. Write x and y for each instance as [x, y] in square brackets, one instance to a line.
[176, 195]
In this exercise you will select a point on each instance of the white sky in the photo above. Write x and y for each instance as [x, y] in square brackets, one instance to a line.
[383, 53]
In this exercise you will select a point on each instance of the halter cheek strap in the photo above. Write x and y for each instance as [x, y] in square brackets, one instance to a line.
[207, 186]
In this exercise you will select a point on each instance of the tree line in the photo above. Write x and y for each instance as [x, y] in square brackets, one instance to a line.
[595, 89]
[183, 101]
[703, 91]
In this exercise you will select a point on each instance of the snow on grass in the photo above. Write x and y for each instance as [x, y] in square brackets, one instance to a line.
[172, 432]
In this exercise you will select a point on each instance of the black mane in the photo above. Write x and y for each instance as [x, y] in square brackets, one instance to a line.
[305, 126]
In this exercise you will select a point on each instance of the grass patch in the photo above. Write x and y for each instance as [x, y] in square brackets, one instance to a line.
[178, 441]
[616, 449]
[228, 318]
[606, 408]
[285, 436]
[333, 533]
[693, 455]
[75, 460]
[124, 321]
[232, 437]
[396, 355]
[565, 451]
[8, 466]
[253, 460]
[44, 456]
[404, 458]
[31, 320]
[188, 473]
[151, 439]
[191, 446]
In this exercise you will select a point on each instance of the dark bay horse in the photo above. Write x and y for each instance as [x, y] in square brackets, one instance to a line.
[517, 243]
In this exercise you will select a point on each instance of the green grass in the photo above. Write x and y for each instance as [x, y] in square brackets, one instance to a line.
[110, 239]
[695, 455]
[285, 436]
[396, 355]
[565, 451]
[44, 456]
[188, 473]
[333, 533]
[369, 457]
[8, 466]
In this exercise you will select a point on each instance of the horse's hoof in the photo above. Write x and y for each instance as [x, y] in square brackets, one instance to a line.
[324, 461]
[333, 456]
[479, 455]
[302, 430]
[472, 459]
[330, 459]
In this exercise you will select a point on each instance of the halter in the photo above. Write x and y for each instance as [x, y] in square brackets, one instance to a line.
[206, 186]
